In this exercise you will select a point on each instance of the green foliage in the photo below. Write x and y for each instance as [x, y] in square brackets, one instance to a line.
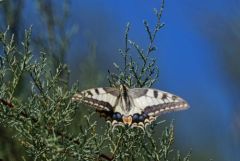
[36, 117]
[42, 121]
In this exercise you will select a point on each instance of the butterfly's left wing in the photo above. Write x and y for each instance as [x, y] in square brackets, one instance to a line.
[153, 102]
[102, 99]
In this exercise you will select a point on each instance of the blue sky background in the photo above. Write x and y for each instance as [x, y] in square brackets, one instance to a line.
[189, 63]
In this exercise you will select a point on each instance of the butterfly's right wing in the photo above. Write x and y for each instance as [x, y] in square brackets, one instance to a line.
[150, 103]
[155, 102]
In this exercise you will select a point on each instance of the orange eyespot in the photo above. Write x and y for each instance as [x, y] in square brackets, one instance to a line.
[127, 120]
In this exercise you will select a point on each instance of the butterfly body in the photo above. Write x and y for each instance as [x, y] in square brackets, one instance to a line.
[136, 107]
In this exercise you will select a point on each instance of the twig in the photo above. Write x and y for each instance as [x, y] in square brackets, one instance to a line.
[6, 103]
[106, 157]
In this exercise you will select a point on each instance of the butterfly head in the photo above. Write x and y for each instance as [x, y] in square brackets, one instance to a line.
[123, 88]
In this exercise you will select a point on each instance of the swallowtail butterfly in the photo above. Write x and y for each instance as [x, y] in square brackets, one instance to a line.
[136, 107]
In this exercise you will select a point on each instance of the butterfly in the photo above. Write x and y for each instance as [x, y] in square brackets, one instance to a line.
[134, 107]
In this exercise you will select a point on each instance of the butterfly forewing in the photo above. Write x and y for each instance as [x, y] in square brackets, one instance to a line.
[100, 98]
[155, 102]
